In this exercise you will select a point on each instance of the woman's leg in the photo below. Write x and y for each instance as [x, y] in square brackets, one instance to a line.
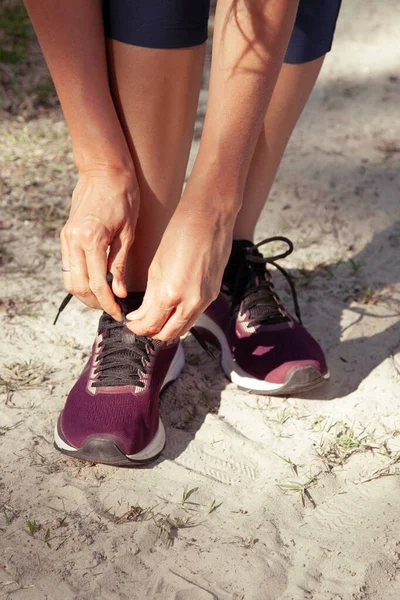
[156, 93]
[291, 93]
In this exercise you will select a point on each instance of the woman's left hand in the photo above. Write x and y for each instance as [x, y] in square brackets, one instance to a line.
[186, 272]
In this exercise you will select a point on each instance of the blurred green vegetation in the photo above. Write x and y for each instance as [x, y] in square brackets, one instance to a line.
[25, 83]
[15, 32]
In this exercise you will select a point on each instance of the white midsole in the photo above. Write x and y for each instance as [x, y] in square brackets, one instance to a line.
[235, 373]
[158, 442]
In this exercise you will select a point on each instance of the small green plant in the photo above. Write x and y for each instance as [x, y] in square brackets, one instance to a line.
[318, 424]
[343, 443]
[193, 360]
[213, 507]
[291, 464]
[281, 417]
[22, 375]
[32, 527]
[5, 428]
[47, 538]
[300, 488]
[167, 526]
[354, 265]
[186, 495]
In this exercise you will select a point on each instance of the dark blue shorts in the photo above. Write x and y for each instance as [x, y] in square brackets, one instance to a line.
[183, 23]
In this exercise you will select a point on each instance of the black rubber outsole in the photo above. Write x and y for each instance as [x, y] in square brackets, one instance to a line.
[105, 452]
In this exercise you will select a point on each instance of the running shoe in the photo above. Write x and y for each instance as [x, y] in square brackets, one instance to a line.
[111, 415]
[264, 348]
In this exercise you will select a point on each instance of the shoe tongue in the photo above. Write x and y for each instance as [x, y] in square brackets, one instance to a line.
[265, 306]
[239, 247]
[131, 302]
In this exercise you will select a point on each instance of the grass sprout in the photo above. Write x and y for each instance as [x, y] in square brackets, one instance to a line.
[167, 526]
[291, 464]
[281, 417]
[5, 428]
[213, 507]
[344, 443]
[32, 527]
[300, 488]
[23, 375]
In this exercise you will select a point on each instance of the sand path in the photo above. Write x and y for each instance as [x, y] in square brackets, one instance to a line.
[109, 534]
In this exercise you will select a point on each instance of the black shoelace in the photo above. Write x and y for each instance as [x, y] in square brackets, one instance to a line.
[251, 284]
[120, 361]
[123, 355]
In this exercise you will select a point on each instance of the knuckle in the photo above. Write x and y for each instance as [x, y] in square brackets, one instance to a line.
[152, 330]
[88, 235]
[171, 295]
[72, 233]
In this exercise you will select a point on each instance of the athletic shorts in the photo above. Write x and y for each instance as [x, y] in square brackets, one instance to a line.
[183, 23]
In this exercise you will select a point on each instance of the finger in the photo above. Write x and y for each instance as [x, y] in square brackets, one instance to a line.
[79, 277]
[117, 266]
[191, 323]
[179, 324]
[96, 261]
[152, 317]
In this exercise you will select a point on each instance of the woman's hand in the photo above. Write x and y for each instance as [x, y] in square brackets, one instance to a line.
[105, 205]
[186, 272]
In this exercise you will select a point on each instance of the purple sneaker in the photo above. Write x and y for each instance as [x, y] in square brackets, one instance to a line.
[264, 349]
[111, 415]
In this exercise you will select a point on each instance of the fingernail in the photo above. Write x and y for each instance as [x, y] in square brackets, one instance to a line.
[132, 316]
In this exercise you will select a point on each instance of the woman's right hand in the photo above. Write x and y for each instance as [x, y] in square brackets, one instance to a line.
[105, 206]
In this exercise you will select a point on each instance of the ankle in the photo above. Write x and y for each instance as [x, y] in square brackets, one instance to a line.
[243, 233]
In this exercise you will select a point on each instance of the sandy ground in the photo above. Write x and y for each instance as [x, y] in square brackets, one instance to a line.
[286, 499]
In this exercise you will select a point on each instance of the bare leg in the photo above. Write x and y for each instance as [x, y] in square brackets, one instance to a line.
[156, 94]
[290, 95]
